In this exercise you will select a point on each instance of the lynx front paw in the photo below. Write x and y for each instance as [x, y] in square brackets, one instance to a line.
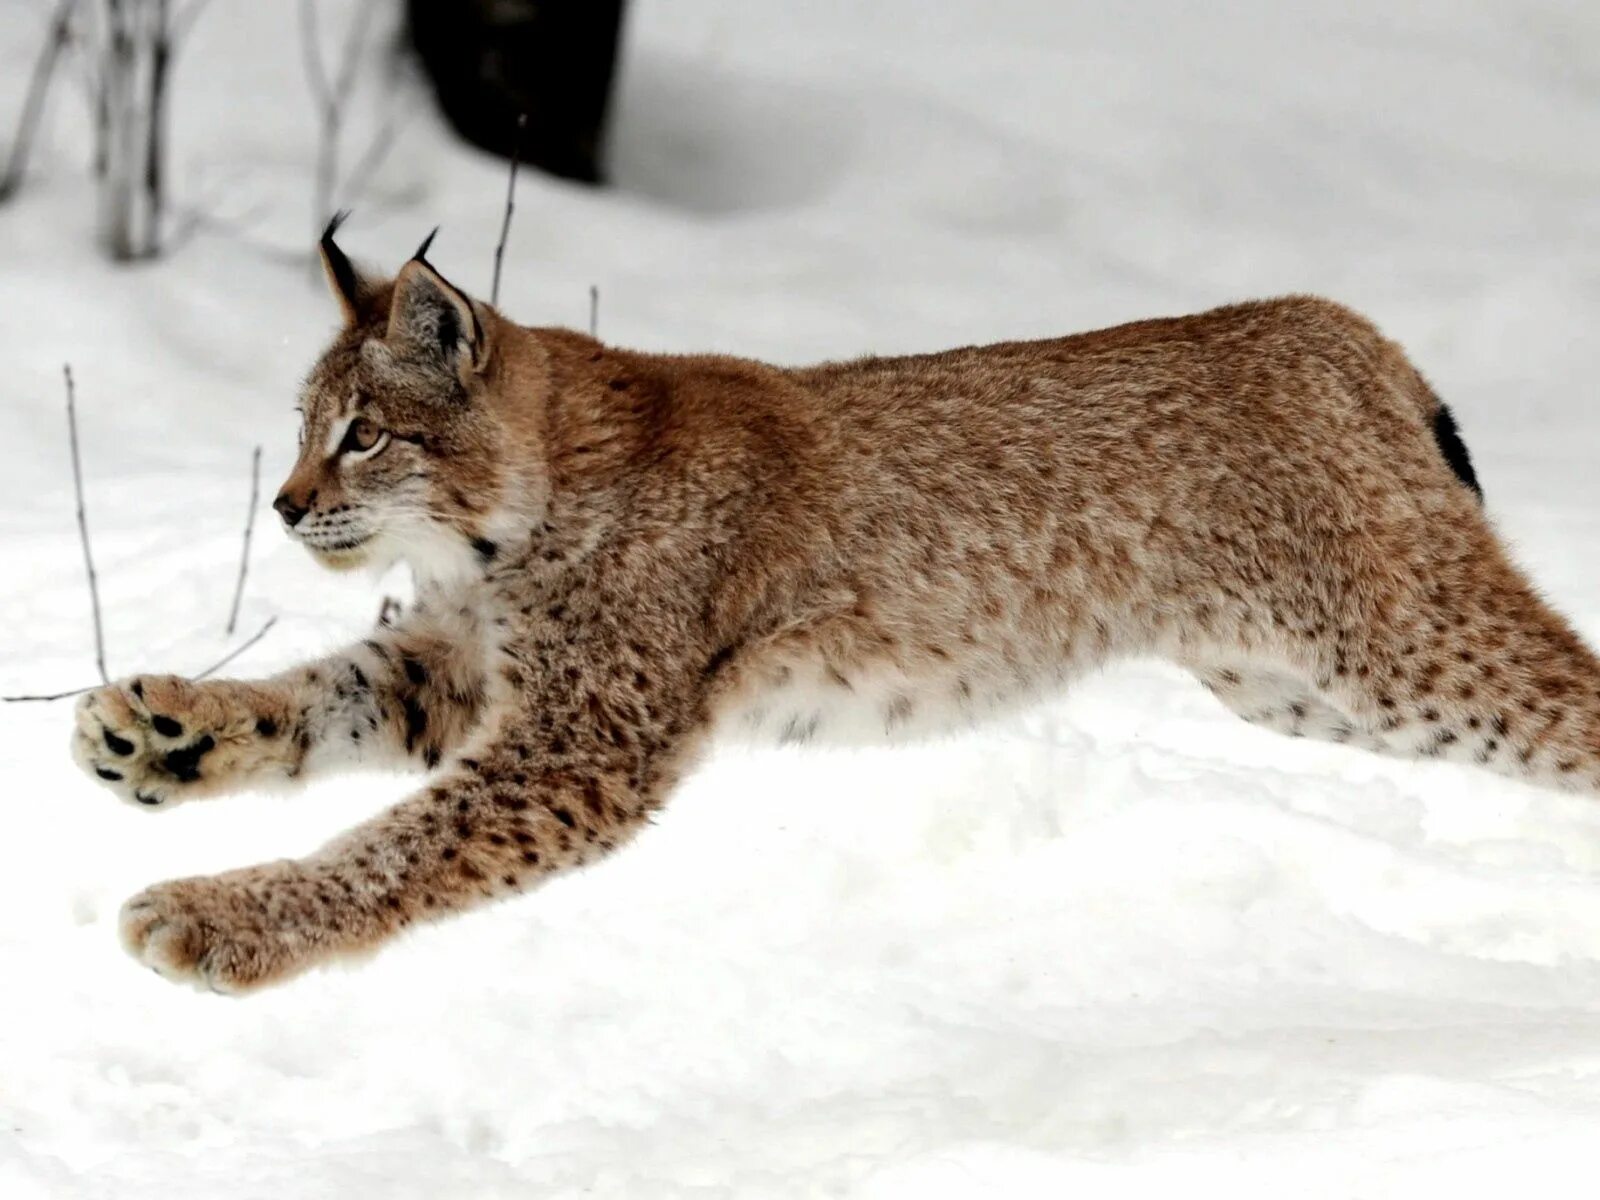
[215, 934]
[158, 739]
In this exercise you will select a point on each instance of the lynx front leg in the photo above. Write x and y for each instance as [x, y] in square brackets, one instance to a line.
[407, 696]
[496, 825]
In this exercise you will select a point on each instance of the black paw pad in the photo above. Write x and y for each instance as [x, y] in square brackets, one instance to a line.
[267, 727]
[185, 764]
[108, 773]
[167, 727]
[118, 745]
[146, 798]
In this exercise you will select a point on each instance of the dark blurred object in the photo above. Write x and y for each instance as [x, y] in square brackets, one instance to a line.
[493, 60]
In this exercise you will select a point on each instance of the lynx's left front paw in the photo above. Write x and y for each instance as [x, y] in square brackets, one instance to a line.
[160, 739]
[220, 934]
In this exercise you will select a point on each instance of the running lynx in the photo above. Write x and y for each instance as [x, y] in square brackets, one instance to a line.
[620, 554]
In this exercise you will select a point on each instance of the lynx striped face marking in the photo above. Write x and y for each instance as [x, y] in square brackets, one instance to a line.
[402, 447]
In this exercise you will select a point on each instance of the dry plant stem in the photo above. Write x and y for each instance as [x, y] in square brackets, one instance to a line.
[211, 670]
[331, 95]
[594, 310]
[237, 650]
[511, 197]
[132, 59]
[94, 593]
[249, 525]
[373, 156]
[33, 105]
[83, 525]
[155, 186]
[186, 18]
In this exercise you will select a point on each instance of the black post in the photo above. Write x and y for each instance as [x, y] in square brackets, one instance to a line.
[493, 60]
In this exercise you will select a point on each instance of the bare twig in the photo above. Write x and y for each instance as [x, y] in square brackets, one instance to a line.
[249, 525]
[372, 157]
[94, 590]
[193, 220]
[33, 106]
[83, 524]
[156, 128]
[237, 650]
[311, 50]
[184, 21]
[511, 205]
[331, 95]
[355, 41]
[51, 696]
[211, 670]
[594, 310]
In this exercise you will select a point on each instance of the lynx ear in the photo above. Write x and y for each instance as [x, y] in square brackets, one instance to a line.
[431, 319]
[349, 289]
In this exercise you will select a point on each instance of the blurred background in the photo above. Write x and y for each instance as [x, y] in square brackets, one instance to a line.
[1124, 943]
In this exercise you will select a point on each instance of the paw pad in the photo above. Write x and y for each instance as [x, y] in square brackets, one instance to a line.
[121, 741]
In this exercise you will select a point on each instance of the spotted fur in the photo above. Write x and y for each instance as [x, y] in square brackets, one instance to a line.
[620, 554]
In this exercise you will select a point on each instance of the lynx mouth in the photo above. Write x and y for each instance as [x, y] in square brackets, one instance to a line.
[342, 555]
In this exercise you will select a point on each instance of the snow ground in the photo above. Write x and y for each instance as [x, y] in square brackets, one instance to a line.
[1121, 947]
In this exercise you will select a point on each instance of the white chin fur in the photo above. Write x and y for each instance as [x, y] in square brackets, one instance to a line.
[438, 557]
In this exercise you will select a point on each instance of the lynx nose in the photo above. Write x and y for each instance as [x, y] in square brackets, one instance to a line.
[290, 509]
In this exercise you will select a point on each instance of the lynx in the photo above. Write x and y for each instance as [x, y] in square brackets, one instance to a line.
[621, 555]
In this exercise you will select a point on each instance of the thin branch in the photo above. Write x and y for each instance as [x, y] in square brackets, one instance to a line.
[372, 157]
[311, 49]
[238, 650]
[249, 525]
[186, 17]
[511, 205]
[155, 128]
[211, 670]
[193, 220]
[33, 106]
[83, 525]
[594, 310]
[355, 41]
[51, 696]
[331, 97]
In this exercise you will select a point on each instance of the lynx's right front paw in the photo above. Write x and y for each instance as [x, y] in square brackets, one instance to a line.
[157, 739]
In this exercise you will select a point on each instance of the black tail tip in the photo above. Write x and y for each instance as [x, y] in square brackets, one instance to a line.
[1454, 449]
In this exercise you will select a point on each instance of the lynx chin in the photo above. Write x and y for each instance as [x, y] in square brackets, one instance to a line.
[621, 555]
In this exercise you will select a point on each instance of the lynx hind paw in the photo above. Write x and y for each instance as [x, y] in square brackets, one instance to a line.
[154, 739]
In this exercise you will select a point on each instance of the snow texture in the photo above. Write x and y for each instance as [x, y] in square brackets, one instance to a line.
[1125, 946]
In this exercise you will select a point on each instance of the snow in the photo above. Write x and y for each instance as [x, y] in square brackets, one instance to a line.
[1121, 947]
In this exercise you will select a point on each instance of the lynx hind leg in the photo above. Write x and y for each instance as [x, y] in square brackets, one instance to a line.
[1281, 700]
[1482, 672]
[1462, 661]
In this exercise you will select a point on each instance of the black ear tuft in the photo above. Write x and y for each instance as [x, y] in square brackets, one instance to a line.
[422, 251]
[339, 268]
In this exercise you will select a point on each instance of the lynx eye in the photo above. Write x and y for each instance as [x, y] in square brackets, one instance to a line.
[362, 436]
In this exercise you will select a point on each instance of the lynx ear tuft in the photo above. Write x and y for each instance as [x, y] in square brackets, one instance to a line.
[422, 251]
[432, 320]
[348, 287]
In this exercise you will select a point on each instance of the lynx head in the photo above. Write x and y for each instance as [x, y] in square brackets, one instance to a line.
[409, 447]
